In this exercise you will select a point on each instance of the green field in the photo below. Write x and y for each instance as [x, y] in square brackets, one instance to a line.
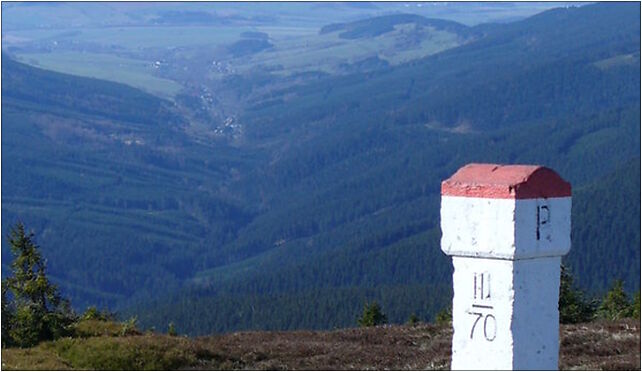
[136, 73]
[162, 36]
[127, 54]
[295, 49]
[139, 73]
[306, 51]
[141, 37]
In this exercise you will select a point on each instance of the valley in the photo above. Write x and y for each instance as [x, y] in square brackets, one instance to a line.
[230, 169]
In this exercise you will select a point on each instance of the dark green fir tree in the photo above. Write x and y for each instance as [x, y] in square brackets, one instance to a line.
[36, 310]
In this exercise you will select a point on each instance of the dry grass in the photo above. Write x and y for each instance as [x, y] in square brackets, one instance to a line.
[597, 345]
[93, 327]
[35, 358]
[601, 345]
[394, 347]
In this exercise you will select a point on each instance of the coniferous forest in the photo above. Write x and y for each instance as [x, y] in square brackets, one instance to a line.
[262, 199]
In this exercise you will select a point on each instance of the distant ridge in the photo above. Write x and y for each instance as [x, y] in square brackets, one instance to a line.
[373, 27]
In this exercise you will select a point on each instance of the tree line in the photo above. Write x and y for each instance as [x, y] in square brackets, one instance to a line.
[33, 309]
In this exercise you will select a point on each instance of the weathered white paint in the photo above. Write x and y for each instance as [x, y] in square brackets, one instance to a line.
[505, 228]
[510, 321]
[535, 325]
[482, 338]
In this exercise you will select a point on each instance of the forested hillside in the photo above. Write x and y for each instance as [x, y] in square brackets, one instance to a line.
[372, 27]
[330, 197]
[118, 195]
[352, 199]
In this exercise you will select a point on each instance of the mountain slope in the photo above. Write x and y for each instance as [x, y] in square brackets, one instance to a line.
[605, 233]
[55, 91]
[356, 149]
[350, 197]
[529, 69]
[331, 197]
[110, 184]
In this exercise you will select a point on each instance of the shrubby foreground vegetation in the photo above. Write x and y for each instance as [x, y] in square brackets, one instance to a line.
[32, 308]
[575, 307]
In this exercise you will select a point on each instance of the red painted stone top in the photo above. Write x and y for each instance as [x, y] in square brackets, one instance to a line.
[496, 181]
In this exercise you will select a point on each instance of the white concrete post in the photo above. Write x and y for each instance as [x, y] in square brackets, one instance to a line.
[506, 227]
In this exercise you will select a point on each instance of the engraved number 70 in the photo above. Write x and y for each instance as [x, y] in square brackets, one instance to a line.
[490, 332]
